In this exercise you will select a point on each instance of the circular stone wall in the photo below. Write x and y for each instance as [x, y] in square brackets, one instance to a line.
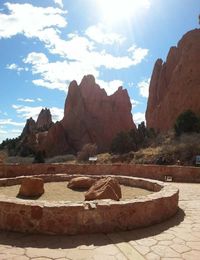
[65, 217]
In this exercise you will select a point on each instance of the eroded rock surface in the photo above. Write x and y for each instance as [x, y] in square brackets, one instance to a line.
[106, 188]
[81, 183]
[175, 84]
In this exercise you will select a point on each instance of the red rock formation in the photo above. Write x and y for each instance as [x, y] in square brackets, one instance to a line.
[55, 142]
[90, 116]
[175, 84]
[44, 121]
[106, 188]
[30, 127]
[81, 183]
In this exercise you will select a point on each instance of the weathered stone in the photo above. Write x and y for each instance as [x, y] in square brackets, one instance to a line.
[174, 85]
[81, 183]
[106, 188]
[44, 121]
[91, 116]
[31, 187]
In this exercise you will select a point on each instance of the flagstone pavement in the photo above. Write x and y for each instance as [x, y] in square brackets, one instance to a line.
[177, 238]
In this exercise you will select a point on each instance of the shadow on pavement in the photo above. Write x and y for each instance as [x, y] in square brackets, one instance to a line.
[66, 242]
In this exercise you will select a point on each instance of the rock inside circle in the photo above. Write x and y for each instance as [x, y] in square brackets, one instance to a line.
[81, 183]
[31, 187]
[106, 188]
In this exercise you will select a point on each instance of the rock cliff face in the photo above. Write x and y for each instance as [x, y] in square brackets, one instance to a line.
[90, 116]
[175, 84]
[34, 133]
[44, 121]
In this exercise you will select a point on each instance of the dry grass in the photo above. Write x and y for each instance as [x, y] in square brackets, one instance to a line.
[171, 149]
[18, 159]
[67, 158]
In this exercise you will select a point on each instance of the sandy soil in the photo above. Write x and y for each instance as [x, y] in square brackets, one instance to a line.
[58, 191]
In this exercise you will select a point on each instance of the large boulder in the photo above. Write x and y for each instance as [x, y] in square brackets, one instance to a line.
[31, 187]
[81, 183]
[175, 84]
[106, 188]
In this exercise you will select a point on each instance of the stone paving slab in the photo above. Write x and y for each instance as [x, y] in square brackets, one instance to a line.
[177, 238]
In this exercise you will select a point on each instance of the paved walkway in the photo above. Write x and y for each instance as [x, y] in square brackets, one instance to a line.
[178, 238]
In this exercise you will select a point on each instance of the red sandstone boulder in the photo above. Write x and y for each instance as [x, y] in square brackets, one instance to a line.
[31, 187]
[81, 183]
[106, 188]
[175, 84]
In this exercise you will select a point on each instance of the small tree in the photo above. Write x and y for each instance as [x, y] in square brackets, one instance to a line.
[39, 157]
[187, 122]
[122, 143]
[88, 150]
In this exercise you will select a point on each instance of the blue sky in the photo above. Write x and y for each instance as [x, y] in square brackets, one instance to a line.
[46, 44]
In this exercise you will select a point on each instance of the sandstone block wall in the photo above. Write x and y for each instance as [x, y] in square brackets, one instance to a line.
[178, 173]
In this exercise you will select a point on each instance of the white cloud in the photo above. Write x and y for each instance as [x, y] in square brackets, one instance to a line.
[3, 131]
[144, 87]
[57, 75]
[18, 21]
[16, 131]
[138, 117]
[15, 67]
[9, 121]
[59, 2]
[80, 53]
[81, 49]
[110, 86]
[138, 54]
[98, 34]
[29, 100]
[134, 102]
[30, 111]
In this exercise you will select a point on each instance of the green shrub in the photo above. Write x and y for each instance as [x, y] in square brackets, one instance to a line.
[39, 157]
[133, 140]
[122, 143]
[187, 122]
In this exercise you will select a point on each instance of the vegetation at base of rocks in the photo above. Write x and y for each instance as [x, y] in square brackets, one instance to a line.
[170, 150]
[39, 157]
[187, 122]
[88, 150]
[61, 159]
[133, 140]
[11, 146]
[19, 160]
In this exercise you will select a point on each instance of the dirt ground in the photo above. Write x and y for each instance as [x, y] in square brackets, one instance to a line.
[58, 191]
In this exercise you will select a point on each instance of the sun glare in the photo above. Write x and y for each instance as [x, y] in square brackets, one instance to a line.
[114, 11]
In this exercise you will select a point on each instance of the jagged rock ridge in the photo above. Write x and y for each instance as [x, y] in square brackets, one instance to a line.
[90, 116]
[175, 84]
